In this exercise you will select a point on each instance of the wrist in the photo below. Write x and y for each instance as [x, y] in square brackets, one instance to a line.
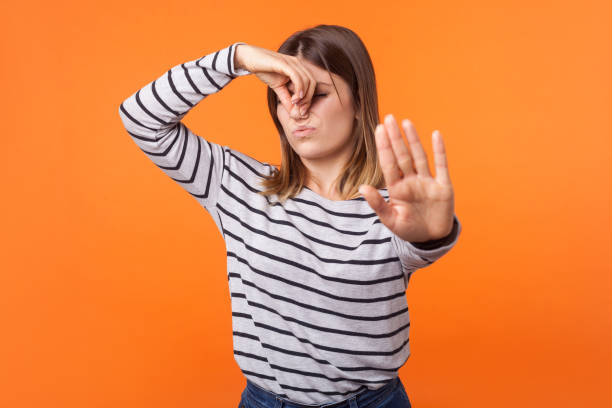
[439, 242]
[237, 59]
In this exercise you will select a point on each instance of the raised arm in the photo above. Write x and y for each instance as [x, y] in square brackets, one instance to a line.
[152, 116]
[416, 255]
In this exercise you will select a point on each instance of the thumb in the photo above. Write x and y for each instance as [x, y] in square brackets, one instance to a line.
[283, 94]
[378, 204]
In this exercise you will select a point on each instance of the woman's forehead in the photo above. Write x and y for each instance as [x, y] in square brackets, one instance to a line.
[320, 75]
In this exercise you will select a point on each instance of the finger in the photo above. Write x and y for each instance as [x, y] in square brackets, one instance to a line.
[296, 109]
[306, 101]
[295, 77]
[307, 79]
[440, 161]
[377, 202]
[297, 88]
[418, 154]
[400, 150]
[388, 164]
[284, 96]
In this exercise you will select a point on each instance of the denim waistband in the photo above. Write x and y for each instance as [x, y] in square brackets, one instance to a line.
[362, 399]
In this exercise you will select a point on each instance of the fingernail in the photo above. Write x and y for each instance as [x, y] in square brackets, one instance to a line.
[389, 117]
[301, 94]
[303, 111]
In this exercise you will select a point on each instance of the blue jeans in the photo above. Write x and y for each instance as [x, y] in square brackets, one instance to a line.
[391, 395]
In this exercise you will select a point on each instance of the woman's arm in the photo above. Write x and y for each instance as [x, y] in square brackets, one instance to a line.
[415, 255]
[152, 116]
[437, 243]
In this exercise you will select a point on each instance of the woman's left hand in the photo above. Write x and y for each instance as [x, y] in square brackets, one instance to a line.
[420, 208]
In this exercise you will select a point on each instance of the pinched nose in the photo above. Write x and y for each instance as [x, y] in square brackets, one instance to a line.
[299, 112]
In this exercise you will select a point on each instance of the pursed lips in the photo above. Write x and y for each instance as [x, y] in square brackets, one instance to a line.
[303, 128]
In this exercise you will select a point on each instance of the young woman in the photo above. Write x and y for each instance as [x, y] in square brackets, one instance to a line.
[317, 272]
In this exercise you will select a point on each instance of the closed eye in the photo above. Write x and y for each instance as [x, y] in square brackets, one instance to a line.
[314, 96]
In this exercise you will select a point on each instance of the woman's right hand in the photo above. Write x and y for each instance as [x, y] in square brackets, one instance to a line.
[276, 70]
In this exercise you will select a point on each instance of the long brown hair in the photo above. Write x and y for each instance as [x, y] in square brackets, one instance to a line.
[339, 50]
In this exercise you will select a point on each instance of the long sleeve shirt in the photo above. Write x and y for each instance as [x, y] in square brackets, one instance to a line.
[317, 286]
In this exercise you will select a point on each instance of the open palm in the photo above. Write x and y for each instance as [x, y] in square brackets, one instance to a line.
[420, 207]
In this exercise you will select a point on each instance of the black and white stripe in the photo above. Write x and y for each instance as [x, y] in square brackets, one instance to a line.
[317, 287]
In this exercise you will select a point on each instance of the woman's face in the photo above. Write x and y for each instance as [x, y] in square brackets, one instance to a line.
[332, 118]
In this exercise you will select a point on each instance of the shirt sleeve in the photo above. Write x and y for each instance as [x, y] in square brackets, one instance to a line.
[152, 117]
[419, 255]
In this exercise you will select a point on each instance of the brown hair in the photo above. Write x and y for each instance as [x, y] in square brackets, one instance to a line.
[339, 50]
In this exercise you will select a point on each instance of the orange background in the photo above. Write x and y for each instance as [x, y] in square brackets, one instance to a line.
[113, 285]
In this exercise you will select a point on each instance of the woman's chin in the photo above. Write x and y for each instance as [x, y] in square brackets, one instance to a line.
[310, 154]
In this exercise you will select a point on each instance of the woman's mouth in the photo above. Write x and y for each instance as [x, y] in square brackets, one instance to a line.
[303, 132]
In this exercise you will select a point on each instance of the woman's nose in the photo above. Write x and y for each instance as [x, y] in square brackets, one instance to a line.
[296, 114]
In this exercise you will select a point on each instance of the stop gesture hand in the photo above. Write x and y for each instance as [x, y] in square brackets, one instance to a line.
[420, 207]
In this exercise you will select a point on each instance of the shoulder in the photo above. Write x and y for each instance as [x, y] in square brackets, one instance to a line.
[241, 162]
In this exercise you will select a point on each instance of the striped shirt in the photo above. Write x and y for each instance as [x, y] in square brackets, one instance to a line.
[317, 286]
